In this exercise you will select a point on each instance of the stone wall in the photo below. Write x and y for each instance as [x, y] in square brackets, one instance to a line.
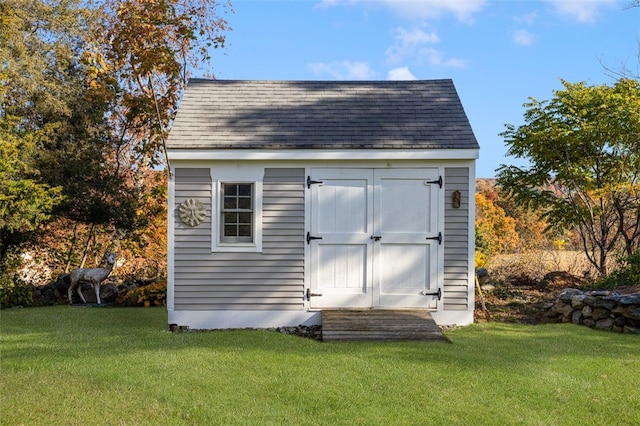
[602, 310]
[55, 292]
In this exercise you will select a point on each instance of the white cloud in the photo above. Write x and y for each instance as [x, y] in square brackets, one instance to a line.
[581, 10]
[345, 70]
[401, 73]
[408, 43]
[417, 43]
[463, 10]
[528, 19]
[436, 58]
[524, 38]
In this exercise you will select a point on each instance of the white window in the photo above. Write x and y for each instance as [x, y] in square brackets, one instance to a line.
[237, 198]
[236, 212]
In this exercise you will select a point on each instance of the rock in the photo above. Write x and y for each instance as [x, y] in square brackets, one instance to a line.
[587, 311]
[565, 310]
[630, 330]
[632, 312]
[108, 293]
[488, 288]
[482, 272]
[483, 276]
[577, 301]
[588, 322]
[631, 299]
[567, 293]
[589, 300]
[600, 313]
[604, 324]
[619, 321]
[577, 317]
[63, 281]
[551, 312]
[604, 302]
[308, 331]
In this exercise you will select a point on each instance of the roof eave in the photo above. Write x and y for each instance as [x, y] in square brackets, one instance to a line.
[322, 154]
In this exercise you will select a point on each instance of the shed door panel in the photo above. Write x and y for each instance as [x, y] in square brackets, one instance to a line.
[406, 207]
[341, 211]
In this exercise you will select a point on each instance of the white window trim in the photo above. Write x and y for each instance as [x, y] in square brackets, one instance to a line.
[236, 174]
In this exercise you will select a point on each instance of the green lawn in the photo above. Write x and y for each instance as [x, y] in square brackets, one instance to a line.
[84, 366]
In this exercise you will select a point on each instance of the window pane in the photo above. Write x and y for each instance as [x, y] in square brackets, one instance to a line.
[244, 203]
[230, 189]
[230, 218]
[244, 189]
[230, 231]
[244, 230]
[230, 203]
[245, 218]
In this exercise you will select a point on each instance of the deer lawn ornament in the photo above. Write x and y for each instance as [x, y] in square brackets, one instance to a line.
[93, 276]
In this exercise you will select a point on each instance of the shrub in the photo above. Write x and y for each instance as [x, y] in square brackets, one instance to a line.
[13, 290]
[149, 295]
[628, 273]
[481, 259]
[16, 294]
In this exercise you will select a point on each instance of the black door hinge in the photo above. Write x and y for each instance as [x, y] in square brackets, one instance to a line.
[310, 295]
[439, 238]
[309, 238]
[313, 182]
[438, 181]
[434, 293]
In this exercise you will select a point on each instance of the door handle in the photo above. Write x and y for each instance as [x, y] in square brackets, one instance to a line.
[376, 237]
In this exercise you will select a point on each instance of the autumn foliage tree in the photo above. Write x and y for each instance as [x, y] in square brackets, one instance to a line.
[583, 147]
[495, 231]
[140, 59]
[88, 92]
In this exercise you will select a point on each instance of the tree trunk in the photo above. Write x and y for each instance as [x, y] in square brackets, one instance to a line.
[67, 266]
[85, 253]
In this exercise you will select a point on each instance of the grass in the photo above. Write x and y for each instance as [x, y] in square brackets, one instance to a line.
[63, 365]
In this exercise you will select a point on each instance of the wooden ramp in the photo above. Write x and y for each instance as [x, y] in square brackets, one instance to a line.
[379, 324]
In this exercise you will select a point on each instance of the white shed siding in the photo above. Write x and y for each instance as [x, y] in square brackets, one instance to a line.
[273, 279]
[456, 241]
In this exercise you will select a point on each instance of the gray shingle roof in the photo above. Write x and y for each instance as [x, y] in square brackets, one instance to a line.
[222, 114]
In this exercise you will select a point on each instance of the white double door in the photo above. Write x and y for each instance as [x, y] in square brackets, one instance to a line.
[373, 238]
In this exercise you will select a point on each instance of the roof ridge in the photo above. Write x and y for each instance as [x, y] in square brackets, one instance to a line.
[215, 80]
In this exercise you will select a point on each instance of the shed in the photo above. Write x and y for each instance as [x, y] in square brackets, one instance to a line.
[290, 197]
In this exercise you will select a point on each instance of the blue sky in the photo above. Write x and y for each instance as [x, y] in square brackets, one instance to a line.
[498, 53]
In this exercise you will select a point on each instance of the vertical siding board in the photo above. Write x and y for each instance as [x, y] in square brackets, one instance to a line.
[456, 223]
[273, 279]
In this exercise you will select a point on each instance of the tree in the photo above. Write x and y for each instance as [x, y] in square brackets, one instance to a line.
[495, 231]
[39, 43]
[88, 90]
[24, 201]
[141, 57]
[583, 147]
